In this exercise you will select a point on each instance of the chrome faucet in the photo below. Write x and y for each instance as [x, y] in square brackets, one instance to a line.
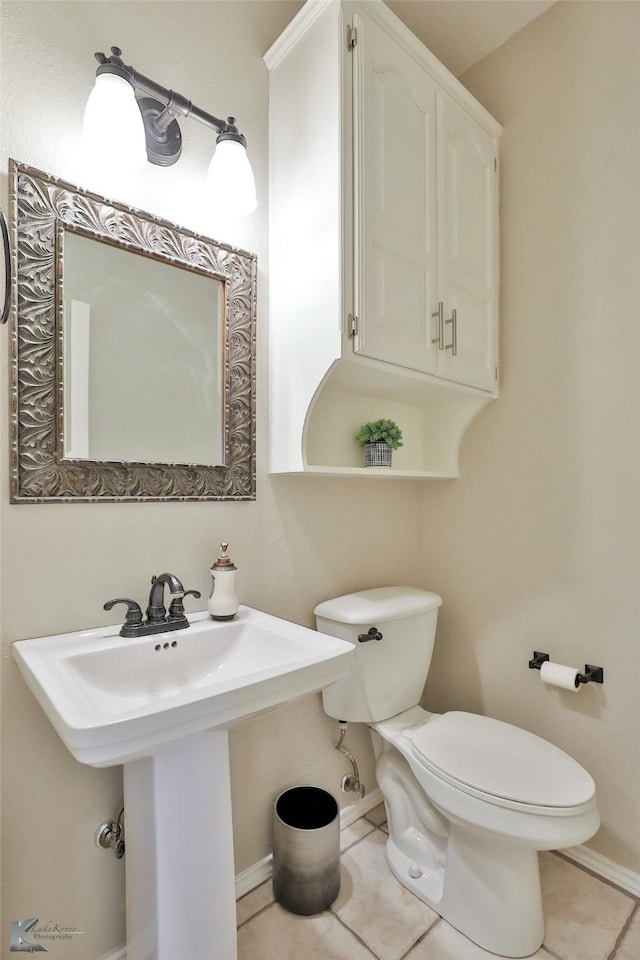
[158, 620]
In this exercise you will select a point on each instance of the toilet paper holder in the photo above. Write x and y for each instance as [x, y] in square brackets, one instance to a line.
[591, 674]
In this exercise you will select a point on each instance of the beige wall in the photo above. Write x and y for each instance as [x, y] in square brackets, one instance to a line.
[301, 541]
[536, 547]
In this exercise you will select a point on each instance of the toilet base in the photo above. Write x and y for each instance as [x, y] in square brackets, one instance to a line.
[490, 895]
[484, 885]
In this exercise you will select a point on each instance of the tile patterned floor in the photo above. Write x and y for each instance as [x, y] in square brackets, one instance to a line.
[375, 918]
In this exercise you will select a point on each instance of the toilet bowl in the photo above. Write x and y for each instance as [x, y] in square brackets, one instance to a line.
[486, 880]
[470, 800]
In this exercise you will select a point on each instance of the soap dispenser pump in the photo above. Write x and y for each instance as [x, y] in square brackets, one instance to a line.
[223, 603]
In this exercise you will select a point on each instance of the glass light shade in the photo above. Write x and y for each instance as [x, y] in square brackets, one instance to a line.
[113, 129]
[230, 184]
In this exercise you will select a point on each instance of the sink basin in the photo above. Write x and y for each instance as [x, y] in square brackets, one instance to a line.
[113, 699]
[162, 706]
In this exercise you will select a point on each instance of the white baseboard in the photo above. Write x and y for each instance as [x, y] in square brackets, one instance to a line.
[253, 876]
[354, 811]
[120, 954]
[603, 867]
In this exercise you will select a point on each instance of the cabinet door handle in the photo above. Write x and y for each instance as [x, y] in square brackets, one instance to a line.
[453, 320]
[440, 315]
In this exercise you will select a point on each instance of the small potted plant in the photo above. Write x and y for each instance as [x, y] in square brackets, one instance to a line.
[379, 439]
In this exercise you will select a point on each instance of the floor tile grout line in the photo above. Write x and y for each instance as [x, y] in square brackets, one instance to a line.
[358, 839]
[260, 910]
[596, 876]
[379, 829]
[423, 936]
[552, 953]
[376, 829]
[353, 933]
[623, 932]
[328, 912]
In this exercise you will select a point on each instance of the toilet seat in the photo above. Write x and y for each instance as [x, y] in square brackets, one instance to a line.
[501, 764]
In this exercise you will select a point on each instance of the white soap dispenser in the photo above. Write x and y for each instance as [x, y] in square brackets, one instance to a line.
[223, 603]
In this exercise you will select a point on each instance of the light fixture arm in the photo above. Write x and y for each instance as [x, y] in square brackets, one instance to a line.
[164, 141]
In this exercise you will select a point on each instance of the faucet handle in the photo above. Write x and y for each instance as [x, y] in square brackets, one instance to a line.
[134, 613]
[176, 608]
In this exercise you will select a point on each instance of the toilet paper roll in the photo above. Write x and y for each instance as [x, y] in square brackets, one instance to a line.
[558, 675]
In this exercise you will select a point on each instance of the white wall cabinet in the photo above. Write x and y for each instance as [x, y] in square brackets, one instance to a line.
[383, 245]
[424, 193]
[395, 200]
[468, 162]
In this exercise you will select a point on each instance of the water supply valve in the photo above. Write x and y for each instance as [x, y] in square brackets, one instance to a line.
[110, 835]
[349, 783]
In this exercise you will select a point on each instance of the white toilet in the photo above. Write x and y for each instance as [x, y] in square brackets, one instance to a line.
[469, 800]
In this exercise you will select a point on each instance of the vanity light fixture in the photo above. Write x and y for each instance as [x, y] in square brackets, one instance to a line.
[121, 128]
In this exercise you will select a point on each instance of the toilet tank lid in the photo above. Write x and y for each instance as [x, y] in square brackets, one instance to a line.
[378, 605]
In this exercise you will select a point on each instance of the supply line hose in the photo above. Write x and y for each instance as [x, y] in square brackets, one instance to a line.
[348, 782]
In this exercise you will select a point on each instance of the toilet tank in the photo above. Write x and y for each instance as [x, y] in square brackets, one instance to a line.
[388, 674]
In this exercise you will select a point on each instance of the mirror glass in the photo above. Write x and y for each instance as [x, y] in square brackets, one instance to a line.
[132, 353]
[142, 372]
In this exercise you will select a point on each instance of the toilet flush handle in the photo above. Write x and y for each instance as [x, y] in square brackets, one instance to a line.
[373, 634]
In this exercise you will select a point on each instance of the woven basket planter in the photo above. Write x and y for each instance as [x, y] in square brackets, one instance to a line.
[377, 455]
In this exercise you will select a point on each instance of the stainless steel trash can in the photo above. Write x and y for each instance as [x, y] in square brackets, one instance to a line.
[306, 849]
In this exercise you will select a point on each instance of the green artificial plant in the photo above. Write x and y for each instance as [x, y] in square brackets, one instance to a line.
[380, 431]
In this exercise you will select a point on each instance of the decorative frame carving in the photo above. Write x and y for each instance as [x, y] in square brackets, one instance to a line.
[42, 207]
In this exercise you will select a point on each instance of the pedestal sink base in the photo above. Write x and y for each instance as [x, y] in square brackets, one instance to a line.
[180, 875]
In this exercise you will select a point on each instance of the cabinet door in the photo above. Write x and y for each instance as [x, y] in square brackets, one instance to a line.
[394, 106]
[468, 236]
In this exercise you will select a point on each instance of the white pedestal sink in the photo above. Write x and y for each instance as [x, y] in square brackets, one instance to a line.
[162, 706]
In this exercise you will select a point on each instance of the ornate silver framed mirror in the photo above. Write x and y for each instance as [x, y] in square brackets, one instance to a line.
[132, 353]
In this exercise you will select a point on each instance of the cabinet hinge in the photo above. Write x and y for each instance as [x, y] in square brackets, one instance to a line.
[495, 374]
[353, 326]
[495, 164]
[352, 37]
